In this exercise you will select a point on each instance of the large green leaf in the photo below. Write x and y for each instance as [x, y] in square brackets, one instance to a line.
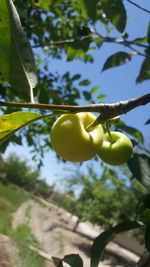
[5, 40]
[102, 240]
[11, 123]
[17, 62]
[144, 73]
[117, 59]
[139, 165]
[115, 12]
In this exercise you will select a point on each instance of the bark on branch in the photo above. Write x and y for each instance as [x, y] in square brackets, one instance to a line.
[106, 111]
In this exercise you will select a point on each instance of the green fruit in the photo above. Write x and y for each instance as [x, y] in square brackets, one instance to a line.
[116, 152]
[71, 140]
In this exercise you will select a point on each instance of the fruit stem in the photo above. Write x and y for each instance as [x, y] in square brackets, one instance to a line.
[90, 127]
[109, 132]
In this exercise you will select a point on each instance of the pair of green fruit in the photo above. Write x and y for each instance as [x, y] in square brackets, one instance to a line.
[71, 140]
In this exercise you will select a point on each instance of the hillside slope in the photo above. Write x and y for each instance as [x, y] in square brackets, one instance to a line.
[38, 230]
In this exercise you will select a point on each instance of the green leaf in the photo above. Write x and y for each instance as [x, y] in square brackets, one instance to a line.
[73, 260]
[148, 33]
[73, 53]
[87, 95]
[144, 71]
[148, 121]
[117, 59]
[76, 77]
[90, 8]
[140, 40]
[84, 82]
[115, 12]
[17, 62]
[47, 4]
[5, 40]
[139, 165]
[147, 238]
[95, 89]
[11, 123]
[102, 240]
[101, 97]
[131, 130]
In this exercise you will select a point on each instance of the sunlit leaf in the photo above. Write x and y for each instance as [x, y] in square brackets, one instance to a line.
[139, 165]
[144, 71]
[17, 62]
[47, 4]
[117, 59]
[73, 260]
[105, 237]
[94, 89]
[11, 123]
[5, 40]
[115, 12]
[101, 97]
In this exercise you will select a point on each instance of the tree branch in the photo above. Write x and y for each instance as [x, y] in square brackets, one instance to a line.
[107, 111]
[124, 42]
[106, 39]
[138, 6]
[60, 42]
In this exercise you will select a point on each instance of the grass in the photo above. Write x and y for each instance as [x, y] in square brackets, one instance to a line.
[23, 238]
[11, 197]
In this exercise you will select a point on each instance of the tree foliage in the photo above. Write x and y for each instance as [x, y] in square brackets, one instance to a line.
[16, 170]
[113, 190]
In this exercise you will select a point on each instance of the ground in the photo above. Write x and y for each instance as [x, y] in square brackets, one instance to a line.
[54, 230]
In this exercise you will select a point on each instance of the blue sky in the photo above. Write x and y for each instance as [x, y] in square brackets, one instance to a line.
[117, 83]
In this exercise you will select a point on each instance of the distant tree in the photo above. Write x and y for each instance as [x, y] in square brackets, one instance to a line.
[108, 198]
[17, 171]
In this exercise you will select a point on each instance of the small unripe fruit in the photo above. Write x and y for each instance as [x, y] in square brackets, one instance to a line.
[116, 152]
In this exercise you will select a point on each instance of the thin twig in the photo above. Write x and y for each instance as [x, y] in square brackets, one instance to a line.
[138, 6]
[106, 39]
[60, 42]
[137, 51]
[107, 111]
[124, 42]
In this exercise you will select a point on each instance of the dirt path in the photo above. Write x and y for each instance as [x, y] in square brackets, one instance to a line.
[53, 229]
[8, 252]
